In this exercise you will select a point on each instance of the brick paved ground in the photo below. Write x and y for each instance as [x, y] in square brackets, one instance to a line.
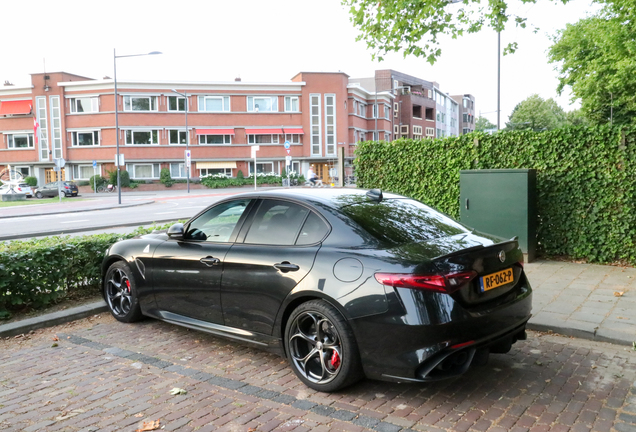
[107, 376]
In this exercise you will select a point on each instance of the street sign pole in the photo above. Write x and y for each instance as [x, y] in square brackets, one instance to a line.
[95, 176]
[254, 150]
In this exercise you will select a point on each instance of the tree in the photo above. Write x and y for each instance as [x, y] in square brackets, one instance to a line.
[482, 123]
[413, 26]
[535, 113]
[595, 58]
[575, 118]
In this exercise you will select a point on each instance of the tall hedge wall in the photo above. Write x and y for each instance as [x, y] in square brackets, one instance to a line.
[586, 181]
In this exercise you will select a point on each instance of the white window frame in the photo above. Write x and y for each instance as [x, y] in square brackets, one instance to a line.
[152, 101]
[375, 111]
[362, 110]
[132, 168]
[11, 140]
[404, 129]
[293, 138]
[417, 130]
[430, 131]
[77, 171]
[271, 164]
[289, 100]
[94, 104]
[227, 172]
[225, 101]
[387, 111]
[396, 129]
[362, 136]
[315, 124]
[202, 140]
[154, 134]
[178, 99]
[387, 136]
[331, 142]
[396, 84]
[251, 103]
[251, 139]
[181, 133]
[181, 168]
[96, 138]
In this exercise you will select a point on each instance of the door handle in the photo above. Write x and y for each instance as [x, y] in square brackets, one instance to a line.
[286, 266]
[210, 261]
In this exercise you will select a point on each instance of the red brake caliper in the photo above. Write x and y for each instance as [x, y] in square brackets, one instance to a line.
[128, 284]
[335, 360]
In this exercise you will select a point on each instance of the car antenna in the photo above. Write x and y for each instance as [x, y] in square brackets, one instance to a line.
[375, 195]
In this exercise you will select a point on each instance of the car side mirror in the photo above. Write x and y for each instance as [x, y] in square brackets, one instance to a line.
[176, 231]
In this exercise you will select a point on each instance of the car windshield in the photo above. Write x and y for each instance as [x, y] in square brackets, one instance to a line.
[401, 221]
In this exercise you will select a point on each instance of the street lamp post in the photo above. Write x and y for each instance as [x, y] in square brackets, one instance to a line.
[185, 95]
[115, 57]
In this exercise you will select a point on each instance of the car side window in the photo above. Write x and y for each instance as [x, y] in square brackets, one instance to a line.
[312, 231]
[218, 223]
[276, 223]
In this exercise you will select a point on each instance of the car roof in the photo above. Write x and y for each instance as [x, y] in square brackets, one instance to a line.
[328, 196]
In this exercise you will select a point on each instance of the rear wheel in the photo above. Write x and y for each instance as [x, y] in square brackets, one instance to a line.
[321, 347]
[100, 189]
[120, 292]
[38, 194]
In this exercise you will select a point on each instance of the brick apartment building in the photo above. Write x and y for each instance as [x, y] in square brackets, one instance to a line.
[62, 115]
[466, 104]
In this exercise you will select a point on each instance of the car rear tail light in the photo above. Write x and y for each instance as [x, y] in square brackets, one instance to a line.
[66, 187]
[448, 283]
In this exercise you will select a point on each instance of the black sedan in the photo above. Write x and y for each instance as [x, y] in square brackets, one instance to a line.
[65, 189]
[344, 283]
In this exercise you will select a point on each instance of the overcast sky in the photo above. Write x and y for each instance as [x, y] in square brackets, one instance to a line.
[265, 41]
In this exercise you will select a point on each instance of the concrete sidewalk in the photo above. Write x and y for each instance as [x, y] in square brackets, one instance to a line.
[570, 299]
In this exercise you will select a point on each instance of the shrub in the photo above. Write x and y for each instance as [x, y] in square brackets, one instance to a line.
[31, 181]
[82, 183]
[165, 177]
[124, 178]
[96, 180]
[133, 185]
[239, 174]
[36, 272]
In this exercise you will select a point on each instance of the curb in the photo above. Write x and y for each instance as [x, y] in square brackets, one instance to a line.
[52, 319]
[578, 333]
[82, 210]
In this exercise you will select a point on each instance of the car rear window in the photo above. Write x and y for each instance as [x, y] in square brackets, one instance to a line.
[401, 221]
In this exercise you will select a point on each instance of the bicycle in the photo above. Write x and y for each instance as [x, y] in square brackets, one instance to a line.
[109, 188]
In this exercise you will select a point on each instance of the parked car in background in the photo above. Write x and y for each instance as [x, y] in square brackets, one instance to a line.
[343, 282]
[68, 188]
[21, 188]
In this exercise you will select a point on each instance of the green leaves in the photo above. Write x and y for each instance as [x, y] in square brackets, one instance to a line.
[585, 180]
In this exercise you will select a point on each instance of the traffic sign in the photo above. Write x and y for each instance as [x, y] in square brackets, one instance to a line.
[121, 159]
[254, 150]
[187, 158]
[288, 159]
[60, 162]
[288, 151]
[94, 164]
[287, 144]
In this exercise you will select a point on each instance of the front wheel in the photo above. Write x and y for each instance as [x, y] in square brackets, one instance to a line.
[321, 347]
[120, 292]
[38, 194]
[100, 189]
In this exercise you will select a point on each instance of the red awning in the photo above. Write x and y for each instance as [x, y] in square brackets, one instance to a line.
[264, 131]
[215, 131]
[294, 131]
[15, 107]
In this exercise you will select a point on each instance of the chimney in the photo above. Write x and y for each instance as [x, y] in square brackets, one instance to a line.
[237, 79]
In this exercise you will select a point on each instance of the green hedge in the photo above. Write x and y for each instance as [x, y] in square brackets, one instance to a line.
[37, 272]
[586, 181]
[215, 182]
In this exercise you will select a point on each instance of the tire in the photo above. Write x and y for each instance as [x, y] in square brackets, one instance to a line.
[38, 195]
[62, 194]
[100, 189]
[120, 293]
[316, 330]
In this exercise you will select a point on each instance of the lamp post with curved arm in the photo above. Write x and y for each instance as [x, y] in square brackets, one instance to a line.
[115, 57]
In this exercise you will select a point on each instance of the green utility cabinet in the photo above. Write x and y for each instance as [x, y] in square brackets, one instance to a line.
[502, 202]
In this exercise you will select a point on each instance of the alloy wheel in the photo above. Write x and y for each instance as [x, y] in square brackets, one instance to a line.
[315, 347]
[118, 292]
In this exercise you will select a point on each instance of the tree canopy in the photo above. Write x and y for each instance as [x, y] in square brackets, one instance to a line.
[595, 57]
[482, 123]
[413, 26]
[537, 114]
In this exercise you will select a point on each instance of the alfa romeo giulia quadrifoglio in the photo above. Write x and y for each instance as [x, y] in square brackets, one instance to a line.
[345, 283]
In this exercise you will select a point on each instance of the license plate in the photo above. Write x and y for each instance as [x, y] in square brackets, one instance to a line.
[495, 280]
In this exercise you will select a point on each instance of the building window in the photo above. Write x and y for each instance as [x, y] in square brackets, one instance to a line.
[85, 138]
[395, 85]
[204, 172]
[466, 130]
[56, 126]
[293, 138]
[177, 136]
[84, 105]
[387, 136]
[215, 139]
[430, 94]
[262, 103]
[404, 130]
[465, 103]
[178, 170]
[148, 137]
[140, 103]
[330, 123]
[465, 117]
[24, 170]
[417, 111]
[362, 110]
[291, 104]
[439, 116]
[143, 171]
[387, 111]
[262, 139]
[375, 110]
[316, 137]
[417, 130]
[16, 141]
[262, 167]
[396, 129]
[214, 103]
[430, 131]
[176, 103]
[85, 172]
